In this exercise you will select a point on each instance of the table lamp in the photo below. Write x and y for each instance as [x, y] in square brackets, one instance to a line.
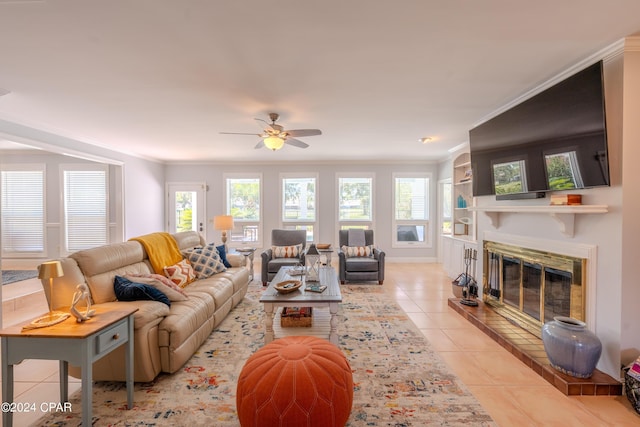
[223, 223]
[50, 270]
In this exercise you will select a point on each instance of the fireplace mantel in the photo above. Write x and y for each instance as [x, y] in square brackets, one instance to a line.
[564, 215]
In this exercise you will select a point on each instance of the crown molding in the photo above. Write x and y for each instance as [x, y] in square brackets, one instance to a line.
[632, 44]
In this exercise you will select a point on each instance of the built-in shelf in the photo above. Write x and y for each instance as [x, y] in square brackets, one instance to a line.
[564, 215]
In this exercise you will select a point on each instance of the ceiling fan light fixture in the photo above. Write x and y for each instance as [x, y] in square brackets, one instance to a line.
[274, 143]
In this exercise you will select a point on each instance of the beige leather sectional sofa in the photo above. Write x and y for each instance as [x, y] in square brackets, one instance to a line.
[164, 337]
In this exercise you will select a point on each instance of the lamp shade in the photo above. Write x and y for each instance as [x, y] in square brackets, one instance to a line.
[50, 270]
[223, 222]
[274, 143]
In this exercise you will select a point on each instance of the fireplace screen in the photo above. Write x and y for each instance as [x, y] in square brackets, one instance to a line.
[531, 287]
[557, 294]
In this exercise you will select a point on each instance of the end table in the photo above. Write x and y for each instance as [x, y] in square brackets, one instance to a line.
[69, 342]
[248, 254]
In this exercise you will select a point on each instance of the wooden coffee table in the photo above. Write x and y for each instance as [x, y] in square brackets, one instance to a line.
[330, 298]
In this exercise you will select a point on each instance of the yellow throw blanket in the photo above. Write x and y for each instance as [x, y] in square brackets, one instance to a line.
[162, 250]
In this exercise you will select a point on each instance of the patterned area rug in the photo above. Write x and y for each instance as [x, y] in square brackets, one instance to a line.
[11, 276]
[398, 379]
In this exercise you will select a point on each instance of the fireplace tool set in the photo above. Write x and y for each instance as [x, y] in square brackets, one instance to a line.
[470, 291]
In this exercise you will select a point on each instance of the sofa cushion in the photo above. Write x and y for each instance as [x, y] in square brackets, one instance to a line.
[238, 276]
[126, 290]
[277, 263]
[181, 273]
[161, 283]
[292, 251]
[206, 261]
[358, 251]
[362, 264]
[149, 312]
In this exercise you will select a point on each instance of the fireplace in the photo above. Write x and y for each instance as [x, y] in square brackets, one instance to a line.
[530, 287]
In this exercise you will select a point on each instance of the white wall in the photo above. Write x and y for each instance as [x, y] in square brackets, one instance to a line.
[212, 174]
[630, 224]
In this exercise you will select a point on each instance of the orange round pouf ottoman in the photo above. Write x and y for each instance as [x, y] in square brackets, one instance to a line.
[295, 381]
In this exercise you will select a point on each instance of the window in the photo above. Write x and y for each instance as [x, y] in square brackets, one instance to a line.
[446, 190]
[411, 210]
[243, 199]
[355, 201]
[23, 210]
[85, 203]
[299, 195]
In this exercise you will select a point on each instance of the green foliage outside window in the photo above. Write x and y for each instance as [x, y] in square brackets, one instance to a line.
[355, 199]
[244, 199]
[184, 210]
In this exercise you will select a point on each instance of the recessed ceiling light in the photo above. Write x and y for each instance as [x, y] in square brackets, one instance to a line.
[426, 139]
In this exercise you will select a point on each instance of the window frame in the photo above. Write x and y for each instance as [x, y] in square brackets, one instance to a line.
[445, 196]
[30, 167]
[235, 239]
[344, 224]
[426, 223]
[294, 224]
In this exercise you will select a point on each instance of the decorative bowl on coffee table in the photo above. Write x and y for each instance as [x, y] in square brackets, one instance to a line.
[287, 286]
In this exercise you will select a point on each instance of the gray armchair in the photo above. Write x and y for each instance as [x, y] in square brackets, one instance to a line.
[271, 265]
[359, 269]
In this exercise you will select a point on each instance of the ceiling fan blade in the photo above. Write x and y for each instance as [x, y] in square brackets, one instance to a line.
[266, 123]
[259, 145]
[304, 132]
[296, 143]
[239, 133]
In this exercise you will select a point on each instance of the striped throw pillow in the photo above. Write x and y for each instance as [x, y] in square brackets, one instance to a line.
[286, 251]
[358, 251]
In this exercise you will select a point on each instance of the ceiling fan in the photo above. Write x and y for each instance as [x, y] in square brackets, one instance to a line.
[274, 136]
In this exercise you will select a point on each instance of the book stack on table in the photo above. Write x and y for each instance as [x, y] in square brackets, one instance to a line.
[296, 317]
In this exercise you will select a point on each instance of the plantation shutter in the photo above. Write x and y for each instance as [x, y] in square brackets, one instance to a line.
[23, 211]
[85, 209]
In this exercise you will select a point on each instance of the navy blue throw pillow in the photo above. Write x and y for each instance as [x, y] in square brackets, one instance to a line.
[223, 256]
[126, 290]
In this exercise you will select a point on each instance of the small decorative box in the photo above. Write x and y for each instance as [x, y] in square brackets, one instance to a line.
[566, 199]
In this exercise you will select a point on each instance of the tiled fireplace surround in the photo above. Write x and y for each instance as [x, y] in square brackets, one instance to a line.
[528, 347]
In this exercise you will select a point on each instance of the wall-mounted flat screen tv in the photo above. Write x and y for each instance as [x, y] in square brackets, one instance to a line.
[553, 141]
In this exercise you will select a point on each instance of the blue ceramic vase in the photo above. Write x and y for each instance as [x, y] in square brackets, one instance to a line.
[571, 347]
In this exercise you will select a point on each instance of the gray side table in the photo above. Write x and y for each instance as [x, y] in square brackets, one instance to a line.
[248, 254]
[69, 342]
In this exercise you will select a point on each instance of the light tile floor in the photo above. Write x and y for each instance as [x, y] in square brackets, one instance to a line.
[509, 391]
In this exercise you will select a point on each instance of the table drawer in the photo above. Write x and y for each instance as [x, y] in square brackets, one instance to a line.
[112, 337]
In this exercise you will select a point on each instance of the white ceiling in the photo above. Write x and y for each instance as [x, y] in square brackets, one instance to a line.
[162, 78]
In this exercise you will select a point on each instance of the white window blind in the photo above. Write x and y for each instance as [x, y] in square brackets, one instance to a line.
[23, 211]
[85, 209]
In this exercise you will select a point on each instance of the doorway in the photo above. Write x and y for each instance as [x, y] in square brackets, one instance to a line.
[186, 207]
